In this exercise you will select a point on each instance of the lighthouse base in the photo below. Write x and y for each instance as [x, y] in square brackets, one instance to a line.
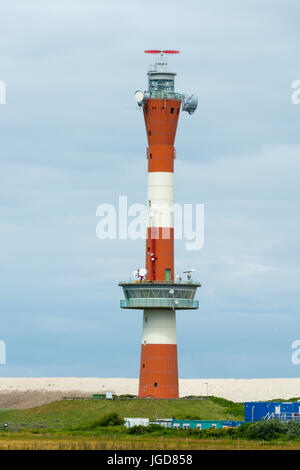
[159, 371]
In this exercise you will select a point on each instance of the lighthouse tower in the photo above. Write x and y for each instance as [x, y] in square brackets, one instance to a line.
[155, 290]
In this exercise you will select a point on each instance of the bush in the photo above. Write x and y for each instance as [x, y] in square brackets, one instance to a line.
[152, 428]
[111, 419]
[293, 430]
[262, 430]
[127, 395]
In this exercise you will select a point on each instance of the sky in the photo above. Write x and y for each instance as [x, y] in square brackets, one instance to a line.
[72, 138]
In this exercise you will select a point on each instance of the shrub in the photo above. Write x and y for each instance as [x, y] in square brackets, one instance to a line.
[127, 395]
[262, 430]
[152, 428]
[111, 419]
[293, 430]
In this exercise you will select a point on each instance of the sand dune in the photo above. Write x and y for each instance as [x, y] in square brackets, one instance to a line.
[28, 392]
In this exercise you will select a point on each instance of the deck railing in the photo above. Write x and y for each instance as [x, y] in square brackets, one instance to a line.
[160, 303]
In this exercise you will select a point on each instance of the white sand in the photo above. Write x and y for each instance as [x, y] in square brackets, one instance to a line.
[232, 389]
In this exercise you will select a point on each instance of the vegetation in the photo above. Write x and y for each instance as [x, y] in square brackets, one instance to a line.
[67, 415]
[98, 424]
[231, 408]
[144, 442]
[111, 419]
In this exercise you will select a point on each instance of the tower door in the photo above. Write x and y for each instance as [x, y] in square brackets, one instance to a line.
[168, 274]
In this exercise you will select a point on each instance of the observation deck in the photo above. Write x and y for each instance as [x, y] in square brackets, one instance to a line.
[164, 294]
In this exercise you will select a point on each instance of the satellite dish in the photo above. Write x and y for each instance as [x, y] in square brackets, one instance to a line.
[142, 272]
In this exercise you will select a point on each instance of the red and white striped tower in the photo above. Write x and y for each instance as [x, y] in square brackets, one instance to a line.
[157, 294]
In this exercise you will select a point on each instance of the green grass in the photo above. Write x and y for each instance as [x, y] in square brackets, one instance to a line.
[95, 424]
[70, 414]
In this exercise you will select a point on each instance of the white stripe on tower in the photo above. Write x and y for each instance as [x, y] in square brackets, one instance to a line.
[159, 327]
[160, 199]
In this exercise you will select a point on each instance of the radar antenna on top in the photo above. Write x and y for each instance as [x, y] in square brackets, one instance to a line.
[161, 62]
[164, 51]
[189, 273]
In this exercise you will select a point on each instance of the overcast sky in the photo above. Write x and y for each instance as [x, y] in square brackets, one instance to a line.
[72, 138]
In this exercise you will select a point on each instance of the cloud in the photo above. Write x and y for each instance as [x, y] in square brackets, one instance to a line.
[244, 266]
[72, 138]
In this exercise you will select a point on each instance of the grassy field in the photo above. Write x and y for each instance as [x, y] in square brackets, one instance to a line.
[66, 414]
[75, 424]
[30, 442]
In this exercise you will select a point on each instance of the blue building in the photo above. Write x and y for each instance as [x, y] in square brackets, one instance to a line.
[196, 423]
[255, 411]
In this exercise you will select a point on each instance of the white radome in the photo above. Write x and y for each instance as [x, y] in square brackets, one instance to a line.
[139, 96]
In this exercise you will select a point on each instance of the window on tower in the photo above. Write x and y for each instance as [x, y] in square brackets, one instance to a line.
[161, 85]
